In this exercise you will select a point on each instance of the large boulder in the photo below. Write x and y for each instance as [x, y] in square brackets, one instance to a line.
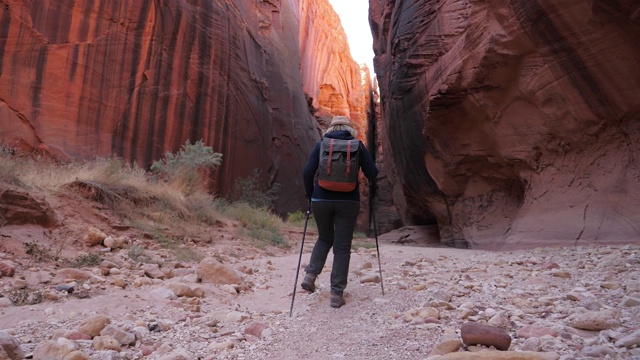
[213, 271]
[10, 347]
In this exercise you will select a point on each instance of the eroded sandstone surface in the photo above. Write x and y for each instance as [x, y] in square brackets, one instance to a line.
[512, 123]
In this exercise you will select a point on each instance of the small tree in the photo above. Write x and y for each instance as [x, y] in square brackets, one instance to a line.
[186, 164]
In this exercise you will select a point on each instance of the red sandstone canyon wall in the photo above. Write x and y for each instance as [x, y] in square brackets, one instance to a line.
[512, 122]
[331, 78]
[135, 79]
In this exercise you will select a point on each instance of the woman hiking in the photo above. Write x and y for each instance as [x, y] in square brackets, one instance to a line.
[335, 201]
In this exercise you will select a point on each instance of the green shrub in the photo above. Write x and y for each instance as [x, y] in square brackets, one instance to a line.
[298, 218]
[250, 190]
[366, 245]
[136, 253]
[84, 260]
[186, 164]
[203, 208]
[259, 223]
[360, 235]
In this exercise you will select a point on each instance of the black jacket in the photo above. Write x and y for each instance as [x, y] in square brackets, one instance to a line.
[312, 190]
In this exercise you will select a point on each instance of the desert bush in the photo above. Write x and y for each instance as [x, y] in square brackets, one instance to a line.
[22, 297]
[85, 260]
[251, 190]
[259, 223]
[361, 244]
[113, 171]
[9, 167]
[38, 252]
[131, 192]
[186, 254]
[183, 168]
[203, 208]
[137, 253]
[360, 235]
[298, 218]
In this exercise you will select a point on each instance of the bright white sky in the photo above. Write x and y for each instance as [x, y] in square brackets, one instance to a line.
[354, 15]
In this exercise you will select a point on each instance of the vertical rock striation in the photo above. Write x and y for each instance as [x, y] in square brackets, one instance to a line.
[135, 79]
[331, 78]
[512, 122]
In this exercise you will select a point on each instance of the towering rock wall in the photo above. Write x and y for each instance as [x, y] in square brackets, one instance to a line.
[135, 79]
[512, 122]
[331, 78]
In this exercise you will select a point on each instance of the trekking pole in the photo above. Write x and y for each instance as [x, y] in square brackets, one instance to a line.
[372, 216]
[375, 231]
[295, 283]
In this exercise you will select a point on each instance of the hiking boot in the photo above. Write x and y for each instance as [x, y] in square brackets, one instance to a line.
[336, 301]
[309, 282]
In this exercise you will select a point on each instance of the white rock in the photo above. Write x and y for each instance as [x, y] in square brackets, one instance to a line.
[629, 340]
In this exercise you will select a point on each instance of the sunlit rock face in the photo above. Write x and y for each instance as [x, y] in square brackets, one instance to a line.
[512, 123]
[135, 79]
[331, 78]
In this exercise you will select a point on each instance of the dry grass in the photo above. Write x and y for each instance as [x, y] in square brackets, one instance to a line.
[259, 223]
[166, 207]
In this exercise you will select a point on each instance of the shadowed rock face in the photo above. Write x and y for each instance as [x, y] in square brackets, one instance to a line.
[18, 207]
[135, 79]
[515, 122]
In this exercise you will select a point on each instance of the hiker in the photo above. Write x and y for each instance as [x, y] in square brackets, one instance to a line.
[335, 211]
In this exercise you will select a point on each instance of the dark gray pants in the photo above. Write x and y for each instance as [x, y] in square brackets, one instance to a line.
[336, 221]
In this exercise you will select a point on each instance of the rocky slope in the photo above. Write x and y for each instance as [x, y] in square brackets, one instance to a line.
[512, 123]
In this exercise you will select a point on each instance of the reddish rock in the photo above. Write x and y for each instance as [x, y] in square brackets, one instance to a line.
[7, 269]
[10, 347]
[512, 123]
[146, 350]
[529, 331]
[18, 207]
[256, 329]
[482, 334]
[212, 271]
[93, 325]
[73, 274]
[77, 335]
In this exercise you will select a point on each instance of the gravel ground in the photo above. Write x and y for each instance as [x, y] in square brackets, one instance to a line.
[540, 287]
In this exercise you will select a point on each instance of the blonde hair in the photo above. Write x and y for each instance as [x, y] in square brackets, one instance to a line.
[348, 128]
